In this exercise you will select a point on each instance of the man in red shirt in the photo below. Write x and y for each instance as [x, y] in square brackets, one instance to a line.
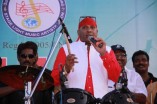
[88, 66]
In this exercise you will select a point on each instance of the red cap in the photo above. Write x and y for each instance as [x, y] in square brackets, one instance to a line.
[87, 21]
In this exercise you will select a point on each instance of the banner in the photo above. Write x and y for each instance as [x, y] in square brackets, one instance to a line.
[131, 23]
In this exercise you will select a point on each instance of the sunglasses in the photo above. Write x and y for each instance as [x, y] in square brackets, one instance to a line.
[121, 55]
[83, 17]
[30, 56]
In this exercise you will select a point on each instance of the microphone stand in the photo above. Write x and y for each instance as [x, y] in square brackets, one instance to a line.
[27, 98]
[63, 78]
[27, 92]
[63, 81]
[122, 86]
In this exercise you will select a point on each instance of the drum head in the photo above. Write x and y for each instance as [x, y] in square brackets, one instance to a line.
[116, 97]
[74, 96]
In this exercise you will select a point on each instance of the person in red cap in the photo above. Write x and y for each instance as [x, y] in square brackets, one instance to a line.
[89, 65]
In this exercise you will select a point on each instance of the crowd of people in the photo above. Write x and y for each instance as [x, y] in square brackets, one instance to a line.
[88, 65]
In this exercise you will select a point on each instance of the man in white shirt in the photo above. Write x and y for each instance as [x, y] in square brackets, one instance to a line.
[135, 83]
[88, 66]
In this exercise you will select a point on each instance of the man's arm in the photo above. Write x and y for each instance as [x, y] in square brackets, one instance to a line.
[111, 64]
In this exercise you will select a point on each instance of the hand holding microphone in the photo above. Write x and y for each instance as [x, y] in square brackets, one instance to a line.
[91, 38]
[98, 44]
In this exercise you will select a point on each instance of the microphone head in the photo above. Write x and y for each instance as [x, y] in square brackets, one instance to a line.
[60, 20]
[90, 37]
[119, 86]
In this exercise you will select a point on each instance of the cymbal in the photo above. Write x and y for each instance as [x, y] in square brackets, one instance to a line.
[16, 76]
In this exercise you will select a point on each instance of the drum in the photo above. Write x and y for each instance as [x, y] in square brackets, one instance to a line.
[74, 96]
[117, 97]
[16, 76]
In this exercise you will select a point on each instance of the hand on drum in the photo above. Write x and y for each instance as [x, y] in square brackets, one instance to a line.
[71, 59]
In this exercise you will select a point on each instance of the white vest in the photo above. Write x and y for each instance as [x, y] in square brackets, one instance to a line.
[77, 78]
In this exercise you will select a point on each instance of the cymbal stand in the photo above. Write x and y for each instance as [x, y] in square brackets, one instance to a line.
[27, 98]
[27, 88]
[27, 92]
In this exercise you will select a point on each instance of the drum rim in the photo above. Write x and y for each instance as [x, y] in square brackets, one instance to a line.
[75, 91]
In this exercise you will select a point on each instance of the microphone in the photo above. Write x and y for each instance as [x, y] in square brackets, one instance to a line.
[63, 78]
[91, 38]
[119, 85]
[122, 81]
[65, 30]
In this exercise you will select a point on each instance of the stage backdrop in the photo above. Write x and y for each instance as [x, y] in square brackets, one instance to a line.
[131, 23]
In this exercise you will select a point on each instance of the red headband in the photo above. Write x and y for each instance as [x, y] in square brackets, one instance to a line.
[87, 21]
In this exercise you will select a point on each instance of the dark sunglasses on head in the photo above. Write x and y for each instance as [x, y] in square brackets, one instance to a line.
[27, 55]
[83, 17]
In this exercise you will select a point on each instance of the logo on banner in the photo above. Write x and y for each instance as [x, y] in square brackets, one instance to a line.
[33, 18]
